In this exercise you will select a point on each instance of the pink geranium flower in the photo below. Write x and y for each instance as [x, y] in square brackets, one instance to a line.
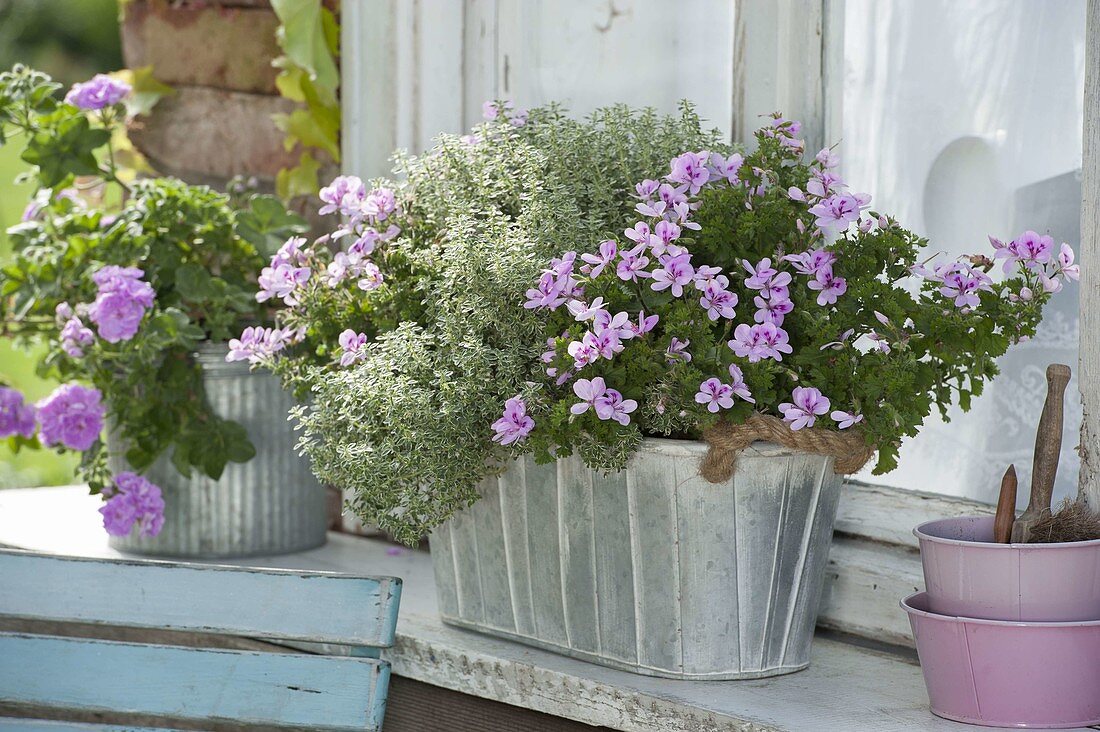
[845, 420]
[514, 424]
[837, 212]
[715, 395]
[829, 287]
[761, 341]
[612, 406]
[675, 274]
[806, 404]
[737, 383]
[588, 390]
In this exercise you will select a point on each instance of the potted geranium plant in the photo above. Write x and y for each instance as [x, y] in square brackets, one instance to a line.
[135, 285]
[756, 301]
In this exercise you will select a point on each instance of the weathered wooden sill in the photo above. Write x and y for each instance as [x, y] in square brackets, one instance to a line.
[848, 687]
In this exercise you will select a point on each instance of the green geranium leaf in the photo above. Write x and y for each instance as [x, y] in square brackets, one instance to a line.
[238, 448]
[66, 149]
[194, 283]
[266, 224]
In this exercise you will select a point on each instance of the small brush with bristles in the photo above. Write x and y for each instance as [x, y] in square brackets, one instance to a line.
[1074, 521]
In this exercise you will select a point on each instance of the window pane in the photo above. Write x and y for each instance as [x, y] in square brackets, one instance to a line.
[964, 119]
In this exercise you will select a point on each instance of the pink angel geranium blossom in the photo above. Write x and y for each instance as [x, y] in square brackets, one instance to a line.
[962, 283]
[715, 395]
[282, 281]
[676, 273]
[588, 390]
[806, 404]
[645, 324]
[583, 311]
[583, 351]
[1066, 267]
[690, 171]
[640, 233]
[811, 262]
[596, 262]
[257, 344]
[677, 351]
[370, 277]
[772, 311]
[515, 424]
[1029, 250]
[718, 302]
[761, 341]
[844, 420]
[631, 266]
[353, 347]
[838, 211]
[611, 405]
[828, 286]
[344, 195]
[550, 292]
[737, 383]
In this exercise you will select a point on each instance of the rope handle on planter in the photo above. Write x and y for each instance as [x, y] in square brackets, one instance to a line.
[726, 440]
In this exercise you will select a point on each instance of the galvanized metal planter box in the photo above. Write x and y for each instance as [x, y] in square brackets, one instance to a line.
[651, 570]
[272, 504]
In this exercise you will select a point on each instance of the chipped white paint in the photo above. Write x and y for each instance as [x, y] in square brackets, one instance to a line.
[1089, 374]
[781, 64]
[883, 514]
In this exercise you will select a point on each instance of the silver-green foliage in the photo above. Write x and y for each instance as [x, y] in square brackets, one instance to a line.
[407, 430]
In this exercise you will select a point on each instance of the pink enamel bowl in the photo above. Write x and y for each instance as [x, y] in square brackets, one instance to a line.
[966, 574]
[1008, 674]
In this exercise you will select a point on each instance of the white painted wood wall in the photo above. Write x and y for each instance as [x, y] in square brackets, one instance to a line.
[415, 68]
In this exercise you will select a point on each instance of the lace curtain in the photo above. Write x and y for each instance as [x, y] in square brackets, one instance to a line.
[965, 119]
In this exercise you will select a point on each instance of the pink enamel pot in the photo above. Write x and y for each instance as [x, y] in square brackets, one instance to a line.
[966, 574]
[1008, 674]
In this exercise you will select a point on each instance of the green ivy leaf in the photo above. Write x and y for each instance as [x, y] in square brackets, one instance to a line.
[300, 180]
[147, 91]
[291, 80]
[302, 36]
[310, 129]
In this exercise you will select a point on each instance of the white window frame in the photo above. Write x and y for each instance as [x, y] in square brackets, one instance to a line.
[1089, 366]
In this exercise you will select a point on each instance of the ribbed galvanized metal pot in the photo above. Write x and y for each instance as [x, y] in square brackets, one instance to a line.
[653, 569]
[270, 505]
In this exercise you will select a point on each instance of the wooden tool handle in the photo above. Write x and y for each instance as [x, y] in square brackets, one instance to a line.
[1048, 438]
[1048, 445]
[1006, 508]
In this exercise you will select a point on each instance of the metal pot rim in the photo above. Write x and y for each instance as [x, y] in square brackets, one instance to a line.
[922, 534]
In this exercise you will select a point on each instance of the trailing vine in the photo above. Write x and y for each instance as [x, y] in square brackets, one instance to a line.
[309, 35]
